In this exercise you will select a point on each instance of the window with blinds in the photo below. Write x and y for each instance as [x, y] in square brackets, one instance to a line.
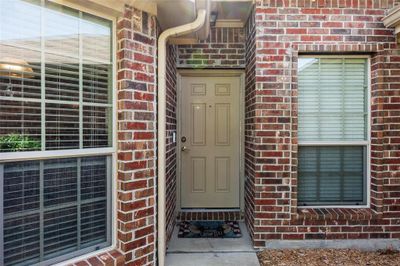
[56, 78]
[54, 207]
[332, 130]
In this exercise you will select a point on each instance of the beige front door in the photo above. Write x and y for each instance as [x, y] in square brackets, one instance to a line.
[210, 142]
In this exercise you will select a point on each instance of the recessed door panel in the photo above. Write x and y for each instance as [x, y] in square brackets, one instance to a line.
[222, 174]
[199, 174]
[222, 123]
[199, 126]
[222, 89]
[198, 89]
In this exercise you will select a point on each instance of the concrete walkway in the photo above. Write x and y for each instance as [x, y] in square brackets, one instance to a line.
[211, 251]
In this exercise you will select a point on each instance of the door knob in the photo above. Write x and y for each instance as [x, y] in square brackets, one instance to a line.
[184, 148]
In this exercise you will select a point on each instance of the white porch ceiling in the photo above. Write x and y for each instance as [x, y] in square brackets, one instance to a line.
[172, 13]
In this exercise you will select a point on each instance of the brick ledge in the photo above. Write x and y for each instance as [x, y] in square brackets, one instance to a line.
[110, 258]
[353, 214]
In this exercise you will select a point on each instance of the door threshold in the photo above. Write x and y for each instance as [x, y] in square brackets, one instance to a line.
[210, 215]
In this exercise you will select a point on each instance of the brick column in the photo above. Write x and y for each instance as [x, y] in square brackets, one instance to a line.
[377, 129]
[136, 137]
[250, 119]
[170, 174]
[389, 83]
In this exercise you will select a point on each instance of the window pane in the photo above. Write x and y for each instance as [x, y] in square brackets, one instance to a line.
[96, 126]
[22, 240]
[332, 99]
[60, 232]
[94, 193]
[97, 68]
[331, 175]
[96, 82]
[20, 68]
[74, 208]
[93, 228]
[62, 78]
[20, 126]
[66, 55]
[61, 40]
[62, 126]
[21, 187]
[60, 182]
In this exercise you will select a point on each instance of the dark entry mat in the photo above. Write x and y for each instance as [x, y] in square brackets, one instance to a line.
[209, 229]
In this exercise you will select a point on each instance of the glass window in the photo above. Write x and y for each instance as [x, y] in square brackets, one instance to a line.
[332, 130]
[55, 94]
[55, 207]
[55, 78]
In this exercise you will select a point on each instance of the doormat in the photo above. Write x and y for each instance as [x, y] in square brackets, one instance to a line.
[209, 229]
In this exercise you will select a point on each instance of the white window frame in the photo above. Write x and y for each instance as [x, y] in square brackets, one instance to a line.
[366, 143]
[7, 157]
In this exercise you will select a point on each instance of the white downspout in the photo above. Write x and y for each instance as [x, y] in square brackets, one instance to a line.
[162, 51]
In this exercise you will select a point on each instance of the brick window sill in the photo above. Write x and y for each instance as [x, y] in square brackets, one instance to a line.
[353, 214]
[110, 258]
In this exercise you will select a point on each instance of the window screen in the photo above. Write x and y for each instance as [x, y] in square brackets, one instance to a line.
[54, 207]
[333, 98]
[331, 175]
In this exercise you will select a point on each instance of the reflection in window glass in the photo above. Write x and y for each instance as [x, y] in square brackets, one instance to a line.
[66, 55]
[55, 94]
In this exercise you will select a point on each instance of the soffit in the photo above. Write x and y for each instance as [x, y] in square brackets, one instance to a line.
[393, 19]
[172, 13]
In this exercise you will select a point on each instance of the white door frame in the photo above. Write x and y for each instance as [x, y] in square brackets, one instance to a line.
[209, 73]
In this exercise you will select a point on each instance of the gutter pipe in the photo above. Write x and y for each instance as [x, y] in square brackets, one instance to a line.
[161, 127]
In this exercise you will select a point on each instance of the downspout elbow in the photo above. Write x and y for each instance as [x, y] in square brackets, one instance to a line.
[194, 26]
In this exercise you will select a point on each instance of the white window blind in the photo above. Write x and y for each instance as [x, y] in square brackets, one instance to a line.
[332, 130]
[332, 99]
[56, 78]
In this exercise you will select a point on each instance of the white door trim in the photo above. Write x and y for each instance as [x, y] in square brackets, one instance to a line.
[209, 73]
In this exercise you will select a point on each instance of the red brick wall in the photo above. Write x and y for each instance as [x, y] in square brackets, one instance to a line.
[250, 120]
[170, 145]
[328, 27]
[136, 55]
[270, 125]
[224, 48]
